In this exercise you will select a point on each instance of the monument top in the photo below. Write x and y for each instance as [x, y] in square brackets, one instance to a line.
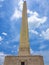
[24, 0]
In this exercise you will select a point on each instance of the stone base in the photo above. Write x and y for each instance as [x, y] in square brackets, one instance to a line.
[24, 60]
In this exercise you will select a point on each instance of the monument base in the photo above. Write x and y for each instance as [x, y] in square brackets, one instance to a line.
[24, 60]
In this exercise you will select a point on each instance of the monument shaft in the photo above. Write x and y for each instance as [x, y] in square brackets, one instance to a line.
[24, 39]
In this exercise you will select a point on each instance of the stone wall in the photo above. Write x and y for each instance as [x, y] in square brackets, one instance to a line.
[29, 60]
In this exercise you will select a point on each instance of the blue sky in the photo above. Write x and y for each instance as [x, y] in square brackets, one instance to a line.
[38, 26]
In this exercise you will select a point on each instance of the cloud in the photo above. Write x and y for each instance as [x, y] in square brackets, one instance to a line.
[16, 15]
[20, 4]
[31, 51]
[42, 46]
[35, 20]
[34, 32]
[1, 38]
[17, 12]
[41, 5]
[15, 46]
[1, 0]
[44, 5]
[4, 33]
[2, 55]
[15, 49]
[16, 38]
[29, 12]
[45, 55]
[45, 34]
[1, 3]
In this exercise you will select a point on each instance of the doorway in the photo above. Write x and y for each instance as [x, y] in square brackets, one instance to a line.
[22, 63]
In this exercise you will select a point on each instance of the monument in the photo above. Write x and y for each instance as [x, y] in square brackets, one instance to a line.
[24, 57]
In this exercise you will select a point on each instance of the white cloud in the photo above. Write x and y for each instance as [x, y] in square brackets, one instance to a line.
[1, 38]
[45, 34]
[29, 12]
[34, 32]
[31, 51]
[14, 51]
[42, 47]
[14, 46]
[20, 4]
[34, 16]
[35, 20]
[16, 38]
[2, 55]
[16, 15]
[1, 0]
[4, 33]
[42, 5]
[18, 12]
[45, 55]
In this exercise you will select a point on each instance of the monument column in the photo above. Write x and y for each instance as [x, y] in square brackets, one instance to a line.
[24, 48]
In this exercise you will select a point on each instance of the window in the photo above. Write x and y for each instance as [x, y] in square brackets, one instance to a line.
[22, 63]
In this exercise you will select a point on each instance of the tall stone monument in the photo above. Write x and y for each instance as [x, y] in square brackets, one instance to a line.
[24, 57]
